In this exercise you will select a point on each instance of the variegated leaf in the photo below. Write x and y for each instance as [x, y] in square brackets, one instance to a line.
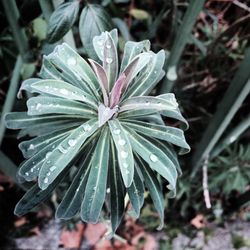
[124, 151]
[64, 153]
[96, 186]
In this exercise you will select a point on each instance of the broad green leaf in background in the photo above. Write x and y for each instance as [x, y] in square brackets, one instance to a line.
[62, 20]
[93, 20]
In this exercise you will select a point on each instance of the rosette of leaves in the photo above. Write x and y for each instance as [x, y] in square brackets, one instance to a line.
[96, 128]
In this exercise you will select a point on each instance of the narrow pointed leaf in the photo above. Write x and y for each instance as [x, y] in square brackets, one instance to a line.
[136, 193]
[72, 200]
[124, 151]
[116, 191]
[41, 105]
[110, 60]
[30, 168]
[146, 81]
[165, 133]
[96, 186]
[155, 157]
[35, 195]
[33, 146]
[103, 80]
[148, 102]
[65, 90]
[154, 188]
[117, 89]
[64, 153]
[131, 50]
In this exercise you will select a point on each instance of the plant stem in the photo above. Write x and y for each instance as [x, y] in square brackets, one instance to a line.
[20, 37]
[231, 137]
[11, 96]
[181, 39]
[231, 102]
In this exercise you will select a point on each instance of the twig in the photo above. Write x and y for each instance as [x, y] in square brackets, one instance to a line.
[205, 184]
[241, 5]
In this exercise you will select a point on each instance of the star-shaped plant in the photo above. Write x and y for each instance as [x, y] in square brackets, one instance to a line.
[96, 128]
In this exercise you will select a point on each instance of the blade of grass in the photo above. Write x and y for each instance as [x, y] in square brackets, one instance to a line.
[231, 137]
[231, 102]
[181, 39]
[11, 95]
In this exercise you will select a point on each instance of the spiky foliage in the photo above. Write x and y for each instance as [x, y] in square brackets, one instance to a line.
[96, 119]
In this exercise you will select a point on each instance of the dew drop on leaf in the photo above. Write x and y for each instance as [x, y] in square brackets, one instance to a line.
[121, 142]
[62, 149]
[72, 142]
[124, 154]
[108, 46]
[27, 174]
[109, 60]
[153, 158]
[47, 155]
[52, 168]
[71, 61]
[38, 106]
[64, 91]
[31, 147]
[46, 180]
[117, 131]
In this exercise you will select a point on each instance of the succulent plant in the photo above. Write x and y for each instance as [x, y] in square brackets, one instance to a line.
[96, 128]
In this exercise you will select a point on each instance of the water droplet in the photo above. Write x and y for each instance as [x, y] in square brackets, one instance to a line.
[109, 60]
[32, 170]
[94, 188]
[62, 149]
[127, 172]
[48, 174]
[46, 180]
[47, 155]
[147, 103]
[121, 142]
[77, 189]
[52, 168]
[108, 190]
[27, 174]
[64, 91]
[108, 46]
[125, 165]
[72, 142]
[171, 74]
[155, 72]
[117, 131]
[124, 154]
[153, 158]
[71, 61]
[38, 106]
[48, 162]
[100, 42]
[87, 127]
[31, 147]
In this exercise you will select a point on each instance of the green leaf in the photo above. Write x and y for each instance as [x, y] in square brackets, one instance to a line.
[165, 133]
[18, 120]
[131, 50]
[71, 62]
[72, 200]
[93, 21]
[110, 62]
[124, 151]
[154, 188]
[148, 102]
[116, 191]
[148, 79]
[96, 186]
[41, 105]
[65, 152]
[30, 168]
[62, 89]
[136, 193]
[155, 157]
[62, 20]
[35, 195]
[33, 146]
